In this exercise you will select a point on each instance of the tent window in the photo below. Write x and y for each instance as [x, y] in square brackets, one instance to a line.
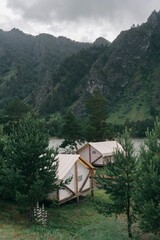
[79, 178]
[93, 152]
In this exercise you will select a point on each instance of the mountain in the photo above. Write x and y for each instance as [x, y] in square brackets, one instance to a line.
[132, 72]
[67, 84]
[26, 62]
[101, 41]
[126, 72]
[56, 73]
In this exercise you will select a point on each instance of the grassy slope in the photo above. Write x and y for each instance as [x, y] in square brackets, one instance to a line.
[136, 111]
[134, 106]
[77, 221]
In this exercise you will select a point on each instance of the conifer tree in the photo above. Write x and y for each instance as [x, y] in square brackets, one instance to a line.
[118, 181]
[33, 164]
[96, 110]
[13, 112]
[71, 130]
[2, 161]
[148, 184]
[16, 110]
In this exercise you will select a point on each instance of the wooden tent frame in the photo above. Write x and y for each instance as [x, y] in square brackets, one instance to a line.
[81, 191]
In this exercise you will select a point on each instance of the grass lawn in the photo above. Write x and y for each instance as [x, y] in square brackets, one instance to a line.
[79, 221]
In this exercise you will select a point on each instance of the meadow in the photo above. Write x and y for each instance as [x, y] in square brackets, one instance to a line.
[69, 221]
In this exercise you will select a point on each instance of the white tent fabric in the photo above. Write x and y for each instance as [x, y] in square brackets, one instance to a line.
[106, 148]
[66, 161]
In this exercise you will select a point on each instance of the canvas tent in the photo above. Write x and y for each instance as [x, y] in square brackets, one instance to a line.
[99, 153]
[72, 165]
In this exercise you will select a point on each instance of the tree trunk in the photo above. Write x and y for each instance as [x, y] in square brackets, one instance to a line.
[129, 223]
[129, 220]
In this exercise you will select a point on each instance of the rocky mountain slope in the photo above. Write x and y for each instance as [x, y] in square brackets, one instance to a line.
[53, 77]
[27, 62]
[126, 72]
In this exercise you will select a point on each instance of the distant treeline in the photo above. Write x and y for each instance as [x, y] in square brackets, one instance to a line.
[94, 126]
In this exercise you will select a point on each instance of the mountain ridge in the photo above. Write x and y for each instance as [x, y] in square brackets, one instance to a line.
[27, 61]
[125, 71]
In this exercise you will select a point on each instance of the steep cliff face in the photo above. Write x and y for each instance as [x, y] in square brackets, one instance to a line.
[67, 85]
[127, 73]
[26, 62]
[55, 73]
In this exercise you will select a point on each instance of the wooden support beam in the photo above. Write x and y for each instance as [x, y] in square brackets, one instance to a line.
[76, 180]
[70, 190]
[67, 199]
[96, 159]
[92, 186]
[88, 175]
[90, 154]
[86, 163]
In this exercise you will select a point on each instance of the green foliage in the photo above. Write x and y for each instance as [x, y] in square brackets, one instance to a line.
[69, 81]
[53, 74]
[112, 130]
[148, 185]
[16, 109]
[53, 124]
[118, 180]
[96, 110]
[71, 131]
[13, 112]
[32, 164]
[27, 62]
[6, 174]
[138, 128]
[68, 222]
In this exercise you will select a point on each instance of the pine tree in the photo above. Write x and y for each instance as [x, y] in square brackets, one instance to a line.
[71, 130]
[148, 185]
[118, 180]
[33, 164]
[96, 110]
[2, 161]
[16, 109]
[13, 112]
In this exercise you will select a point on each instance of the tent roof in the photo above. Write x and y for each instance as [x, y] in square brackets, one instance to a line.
[106, 148]
[66, 161]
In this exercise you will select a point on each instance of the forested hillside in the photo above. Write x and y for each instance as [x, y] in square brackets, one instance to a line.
[26, 62]
[53, 74]
[68, 83]
[126, 72]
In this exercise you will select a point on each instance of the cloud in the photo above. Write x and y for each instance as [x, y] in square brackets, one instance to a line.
[74, 10]
[83, 19]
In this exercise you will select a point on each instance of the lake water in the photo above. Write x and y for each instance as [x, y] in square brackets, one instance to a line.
[54, 142]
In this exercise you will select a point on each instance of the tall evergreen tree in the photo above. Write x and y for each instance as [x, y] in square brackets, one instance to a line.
[118, 180]
[16, 109]
[96, 110]
[6, 172]
[71, 130]
[148, 185]
[33, 164]
[1, 159]
[13, 112]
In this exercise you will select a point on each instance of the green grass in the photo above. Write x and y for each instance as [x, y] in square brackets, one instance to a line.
[72, 221]
[135, 112]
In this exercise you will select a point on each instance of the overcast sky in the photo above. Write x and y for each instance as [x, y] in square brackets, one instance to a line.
[81, 20]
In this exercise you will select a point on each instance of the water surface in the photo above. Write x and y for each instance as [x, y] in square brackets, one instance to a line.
[55, 142]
